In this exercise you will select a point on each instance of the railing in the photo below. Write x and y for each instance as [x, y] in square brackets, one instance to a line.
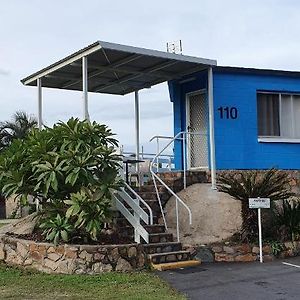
[158, 138]
[138, 214]
[179, 136]
[183, 136]
[164, 159]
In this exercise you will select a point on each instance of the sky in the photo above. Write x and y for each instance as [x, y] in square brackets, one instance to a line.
[35, 33]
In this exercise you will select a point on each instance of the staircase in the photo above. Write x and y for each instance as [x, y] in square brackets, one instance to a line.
[163, 252]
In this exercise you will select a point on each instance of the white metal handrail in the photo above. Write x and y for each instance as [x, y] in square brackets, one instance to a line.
[138, 212]
[138, 197]
[158, 137]
[155, 178]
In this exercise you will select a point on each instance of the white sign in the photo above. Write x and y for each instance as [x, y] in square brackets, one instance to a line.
[259, 202]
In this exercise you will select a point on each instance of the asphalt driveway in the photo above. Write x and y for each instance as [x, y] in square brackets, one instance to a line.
[243, 281]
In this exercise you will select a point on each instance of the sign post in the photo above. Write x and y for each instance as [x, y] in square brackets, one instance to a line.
[259, 203]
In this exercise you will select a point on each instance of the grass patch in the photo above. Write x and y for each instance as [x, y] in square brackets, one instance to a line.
[26, 284]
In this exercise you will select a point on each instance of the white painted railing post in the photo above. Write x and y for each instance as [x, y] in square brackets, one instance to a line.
[211, 128]
[40, 103]
[85, 88]
[184, 159]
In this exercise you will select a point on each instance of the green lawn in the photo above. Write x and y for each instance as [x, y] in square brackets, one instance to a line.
[24, 284]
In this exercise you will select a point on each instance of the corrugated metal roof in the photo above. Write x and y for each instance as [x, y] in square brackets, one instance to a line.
[117, 69]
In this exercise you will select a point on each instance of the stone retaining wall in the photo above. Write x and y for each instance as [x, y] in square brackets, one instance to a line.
[244, 252]
[71, 259]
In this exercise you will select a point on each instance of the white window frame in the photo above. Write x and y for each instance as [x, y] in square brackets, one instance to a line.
[280, 139]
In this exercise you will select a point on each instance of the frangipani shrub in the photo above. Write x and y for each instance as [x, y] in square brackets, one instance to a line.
[71, 168]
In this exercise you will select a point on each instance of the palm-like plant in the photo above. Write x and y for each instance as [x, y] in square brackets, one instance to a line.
[17, 128]
[252, 184]
[288, 216]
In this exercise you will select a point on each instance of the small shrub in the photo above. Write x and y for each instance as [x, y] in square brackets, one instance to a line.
[71, 168]
[288, 216]
[276, 247]
[56, 228]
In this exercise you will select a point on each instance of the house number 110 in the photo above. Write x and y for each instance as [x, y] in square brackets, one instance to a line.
[228, 112]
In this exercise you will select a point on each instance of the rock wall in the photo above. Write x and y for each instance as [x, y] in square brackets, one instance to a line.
[71, 259]
[244, 252]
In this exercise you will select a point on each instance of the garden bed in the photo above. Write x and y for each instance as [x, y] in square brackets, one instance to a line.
[234, 252]
[71, 259]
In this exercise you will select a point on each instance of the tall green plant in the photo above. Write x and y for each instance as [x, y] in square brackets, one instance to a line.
[56, 164]
[18, 128]
[271, 184]
[288, 215]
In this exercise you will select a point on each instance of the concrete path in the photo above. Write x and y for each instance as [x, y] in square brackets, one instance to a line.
[277, 280]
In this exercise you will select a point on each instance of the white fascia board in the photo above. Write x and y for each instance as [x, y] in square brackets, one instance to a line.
[58, 65]
[156, 53]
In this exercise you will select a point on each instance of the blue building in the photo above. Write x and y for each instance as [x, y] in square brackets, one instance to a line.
[256, 116]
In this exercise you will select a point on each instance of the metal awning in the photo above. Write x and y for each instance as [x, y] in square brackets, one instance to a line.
[117, 69]
[110, 68]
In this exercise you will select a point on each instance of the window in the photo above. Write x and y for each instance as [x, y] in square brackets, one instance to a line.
[278, 115]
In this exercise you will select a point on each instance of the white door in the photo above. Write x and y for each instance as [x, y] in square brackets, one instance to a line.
[197, 139]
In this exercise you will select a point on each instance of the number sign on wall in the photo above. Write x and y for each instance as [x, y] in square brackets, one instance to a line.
[228, 112]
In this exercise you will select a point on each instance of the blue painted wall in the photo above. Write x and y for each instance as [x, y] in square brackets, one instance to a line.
[178, 93]
[237, 146]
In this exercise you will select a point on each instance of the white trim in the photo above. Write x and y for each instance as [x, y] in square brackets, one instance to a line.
[40, 103]
[85, 88]
[56, 67]
[137, 126]
[278, 140]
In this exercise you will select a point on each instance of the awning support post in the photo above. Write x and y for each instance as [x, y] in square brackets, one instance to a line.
[40, 104]
[85, 88]
[211, 128]
[137, 127]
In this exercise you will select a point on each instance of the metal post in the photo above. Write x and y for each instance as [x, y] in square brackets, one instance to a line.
[211, 128]
[40, 122]
[85, 88]
[260, 236]
[40, 104]
[137, 127]
[177, 220]
[184, 159]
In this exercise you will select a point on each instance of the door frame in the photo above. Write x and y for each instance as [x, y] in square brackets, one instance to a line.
[187, 122]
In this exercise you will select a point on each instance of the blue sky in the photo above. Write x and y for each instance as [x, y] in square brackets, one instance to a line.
[263, 34]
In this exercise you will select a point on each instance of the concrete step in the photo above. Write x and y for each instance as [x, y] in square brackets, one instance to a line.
[176, 265]
[153, 196]
[122, 222]
[150, 188]
[156, 228]
[167, 257]
[152, 248]
[149, 228]
[154, 205]
[160, 237]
